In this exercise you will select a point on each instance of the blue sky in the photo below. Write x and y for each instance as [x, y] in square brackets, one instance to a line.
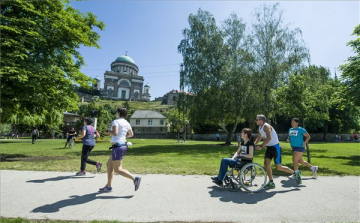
[150, 32]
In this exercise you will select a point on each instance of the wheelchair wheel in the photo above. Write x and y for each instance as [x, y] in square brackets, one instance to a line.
[252, 177]
[72, 144]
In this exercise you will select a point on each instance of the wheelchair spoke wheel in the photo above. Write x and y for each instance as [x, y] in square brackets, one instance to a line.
[252, 177]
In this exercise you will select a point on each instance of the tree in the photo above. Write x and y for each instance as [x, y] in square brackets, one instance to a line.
[40, 59]
[215, 70]
[277, 51]
[351, 70]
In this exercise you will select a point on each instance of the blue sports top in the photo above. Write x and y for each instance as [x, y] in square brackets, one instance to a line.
[296, 136]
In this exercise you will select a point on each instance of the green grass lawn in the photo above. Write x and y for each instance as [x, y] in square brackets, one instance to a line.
[167, 156]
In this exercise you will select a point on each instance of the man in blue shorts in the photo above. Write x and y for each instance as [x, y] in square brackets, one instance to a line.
[273, 149]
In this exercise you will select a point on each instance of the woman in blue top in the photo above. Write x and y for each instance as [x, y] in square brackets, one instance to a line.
[296, 139]
[88, 134]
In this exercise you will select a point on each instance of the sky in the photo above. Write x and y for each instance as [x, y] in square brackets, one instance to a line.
[150, 32]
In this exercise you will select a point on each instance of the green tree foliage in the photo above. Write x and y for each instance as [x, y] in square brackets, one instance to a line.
[105, 114]
[215, 70]
[278, 51]
[5, 128]
[351, 70]
[307, 95]
[40, 59]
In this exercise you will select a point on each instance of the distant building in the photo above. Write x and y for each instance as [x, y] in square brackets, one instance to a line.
[145, 122]
[171, 97]
[123, 81]
[70, 119]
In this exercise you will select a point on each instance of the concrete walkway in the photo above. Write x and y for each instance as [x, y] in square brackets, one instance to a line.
[61, 195]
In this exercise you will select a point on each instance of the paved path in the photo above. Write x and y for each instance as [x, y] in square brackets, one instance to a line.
[61, 195]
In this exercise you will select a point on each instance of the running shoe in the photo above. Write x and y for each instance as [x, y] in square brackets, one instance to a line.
[218, 182]
[81, 173]
[105, 189]
[98, 167]
[314, 170]
[292, 177]
[270, 185]
[137, 183]
[214, 178]
[298, 177]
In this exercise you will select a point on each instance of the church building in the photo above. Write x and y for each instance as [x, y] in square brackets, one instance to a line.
[123, 81]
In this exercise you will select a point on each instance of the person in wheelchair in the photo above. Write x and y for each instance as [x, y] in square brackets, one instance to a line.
[243, 155]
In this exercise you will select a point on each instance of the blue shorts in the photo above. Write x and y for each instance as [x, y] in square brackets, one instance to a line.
[274, 152]
[298, 149]
[118, 153]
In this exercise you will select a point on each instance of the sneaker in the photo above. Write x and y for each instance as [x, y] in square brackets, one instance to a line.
[314, 170]
[218, 182]
[105, 189]
[214, 178]
[270, 185]
[98, 167]
[81, 173]
[298, 177]
[292, 177]
[137, 183]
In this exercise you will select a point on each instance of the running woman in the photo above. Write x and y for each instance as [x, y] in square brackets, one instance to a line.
[120, 130]
[88, 134]
[273, 149]
[296, 139]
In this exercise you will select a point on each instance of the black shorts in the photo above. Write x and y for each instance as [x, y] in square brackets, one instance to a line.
[274, 152]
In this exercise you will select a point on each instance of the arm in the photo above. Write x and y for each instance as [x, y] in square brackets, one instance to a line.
[114, 130]
[130, 133]
[237, 153]
[97, 134]
[307, 138]
[83, 133]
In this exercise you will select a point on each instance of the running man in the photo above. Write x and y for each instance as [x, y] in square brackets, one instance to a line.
[273, 149]
[88, 134]
[120, 130]
[296, 139]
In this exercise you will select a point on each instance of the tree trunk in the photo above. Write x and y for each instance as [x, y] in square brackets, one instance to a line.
[228, 138]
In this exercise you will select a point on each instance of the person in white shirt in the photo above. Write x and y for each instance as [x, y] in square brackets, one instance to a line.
[120, 130]
[273, 149]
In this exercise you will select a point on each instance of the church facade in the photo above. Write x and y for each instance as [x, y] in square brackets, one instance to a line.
[123, 82]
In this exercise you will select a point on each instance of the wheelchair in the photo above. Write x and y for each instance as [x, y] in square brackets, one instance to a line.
[247, 175]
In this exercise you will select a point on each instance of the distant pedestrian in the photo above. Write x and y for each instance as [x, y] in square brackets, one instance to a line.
[336, 138]
[34, 135]
[356, 137]
[296, 136]
[217, 137]
[88, 134]
[120, 130]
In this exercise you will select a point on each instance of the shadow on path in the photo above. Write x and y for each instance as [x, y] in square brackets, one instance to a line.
[243, 197]
[58, 178]
[74, 200]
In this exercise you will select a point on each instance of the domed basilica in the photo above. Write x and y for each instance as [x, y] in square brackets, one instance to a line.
[123, 81]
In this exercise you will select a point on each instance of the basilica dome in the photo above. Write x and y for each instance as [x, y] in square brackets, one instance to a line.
[125, 58]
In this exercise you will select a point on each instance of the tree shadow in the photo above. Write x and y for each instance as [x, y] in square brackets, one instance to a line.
[244, 197]
[74, 200]
[58, 178]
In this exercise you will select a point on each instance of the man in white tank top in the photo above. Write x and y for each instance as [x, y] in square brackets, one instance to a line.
[273, 149]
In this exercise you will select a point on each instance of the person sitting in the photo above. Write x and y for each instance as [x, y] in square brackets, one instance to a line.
[71, 134]
[243, 155]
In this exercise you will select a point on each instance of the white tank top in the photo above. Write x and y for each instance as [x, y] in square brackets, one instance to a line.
[274, 138]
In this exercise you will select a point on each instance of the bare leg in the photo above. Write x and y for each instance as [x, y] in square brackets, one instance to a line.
[284, 168]
[297, 156]
[267, 163]
[117, 164]
[110, 172]
[303, 162]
